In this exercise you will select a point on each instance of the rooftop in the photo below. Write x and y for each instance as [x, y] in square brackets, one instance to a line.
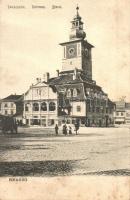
[12, 97]
[67, 77]
[127, 105]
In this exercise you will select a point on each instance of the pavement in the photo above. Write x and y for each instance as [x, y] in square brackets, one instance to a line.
[39, 152]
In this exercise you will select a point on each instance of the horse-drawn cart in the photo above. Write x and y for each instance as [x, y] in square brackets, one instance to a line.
[8, 123]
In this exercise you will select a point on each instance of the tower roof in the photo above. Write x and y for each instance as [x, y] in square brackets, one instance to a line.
[77, 14]
[77, 31]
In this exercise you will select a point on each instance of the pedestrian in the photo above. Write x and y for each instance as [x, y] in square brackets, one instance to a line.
[64, 129]
[15, 126]
[76, 128]
[56, 129]
[70, 130]
[4, 125]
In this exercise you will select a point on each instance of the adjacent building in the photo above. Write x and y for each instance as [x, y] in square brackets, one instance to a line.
[122, 112]
[12, 106]
[127, 116]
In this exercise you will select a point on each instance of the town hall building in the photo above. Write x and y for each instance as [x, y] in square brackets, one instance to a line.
[73, 95]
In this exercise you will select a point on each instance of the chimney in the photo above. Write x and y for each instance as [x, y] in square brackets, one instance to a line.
[57, 71]
[46, 77]
[75, 74]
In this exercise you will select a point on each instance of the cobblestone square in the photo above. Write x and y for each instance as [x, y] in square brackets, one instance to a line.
[39, 152]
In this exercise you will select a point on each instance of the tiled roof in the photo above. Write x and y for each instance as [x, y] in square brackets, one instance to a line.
[111, 102]
[85, 41]
[127, 105]
[12, 98]
[63, 79]
[67, 78]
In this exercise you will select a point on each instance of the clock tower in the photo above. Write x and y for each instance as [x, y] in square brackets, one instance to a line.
[77, 51]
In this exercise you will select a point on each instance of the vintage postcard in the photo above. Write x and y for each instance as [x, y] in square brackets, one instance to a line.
[64, 100]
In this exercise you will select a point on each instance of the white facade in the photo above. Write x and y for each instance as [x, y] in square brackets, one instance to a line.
[119, 117]
[122, 113]
[40, 106]
[78, 109]
[127, 116]
[71, 62]
[8, 108]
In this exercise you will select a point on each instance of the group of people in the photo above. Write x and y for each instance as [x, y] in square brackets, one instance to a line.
[67, 130]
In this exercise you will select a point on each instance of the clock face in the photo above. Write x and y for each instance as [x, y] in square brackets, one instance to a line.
[71, 51]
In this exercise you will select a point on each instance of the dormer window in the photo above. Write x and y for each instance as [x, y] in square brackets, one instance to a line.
[78, 91]
[75, 92]
[6, 105]
[27, 107]
[88, 91]
[69, 93]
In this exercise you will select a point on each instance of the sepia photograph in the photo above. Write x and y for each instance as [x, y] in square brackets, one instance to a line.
[64, 100]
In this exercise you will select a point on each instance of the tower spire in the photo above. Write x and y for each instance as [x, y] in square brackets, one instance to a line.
[77, 27]
[77, 8]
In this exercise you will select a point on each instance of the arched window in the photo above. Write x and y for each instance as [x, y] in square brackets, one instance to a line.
[78, 91]
[35, 107]
[88, 91]
[75, 92]
[27, 106]
[69, 93]
[44, 106]
[52, 106]
[77, 23]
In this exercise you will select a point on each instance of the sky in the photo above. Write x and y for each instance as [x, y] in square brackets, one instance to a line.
[29, 42]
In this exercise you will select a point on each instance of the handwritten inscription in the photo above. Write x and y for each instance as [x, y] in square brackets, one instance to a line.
[55, 6]
[18, 179]
[16, 7]
[33, 7]
[36, 6]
